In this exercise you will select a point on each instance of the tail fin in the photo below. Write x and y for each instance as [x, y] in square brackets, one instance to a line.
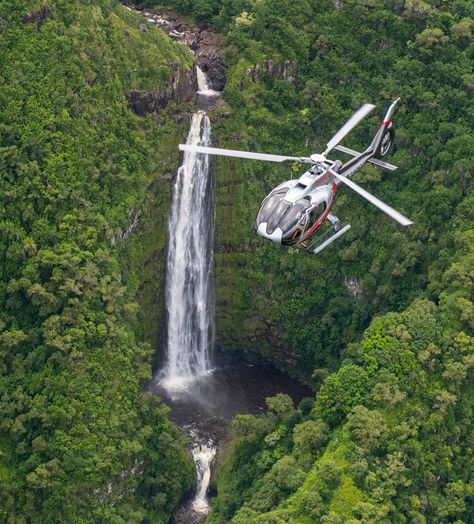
[384, 136]
[388, 115]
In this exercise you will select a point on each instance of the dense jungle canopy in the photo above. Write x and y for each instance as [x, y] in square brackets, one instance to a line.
[380, 325]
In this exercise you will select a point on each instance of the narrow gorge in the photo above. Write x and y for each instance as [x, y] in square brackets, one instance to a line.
[193, 382]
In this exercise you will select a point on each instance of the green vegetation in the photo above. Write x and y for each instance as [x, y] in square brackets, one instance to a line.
[388, 439]
[80, 440]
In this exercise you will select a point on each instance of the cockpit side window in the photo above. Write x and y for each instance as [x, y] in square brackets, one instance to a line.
[316, 213]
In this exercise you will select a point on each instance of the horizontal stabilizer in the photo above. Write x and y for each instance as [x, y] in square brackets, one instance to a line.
[375, 161]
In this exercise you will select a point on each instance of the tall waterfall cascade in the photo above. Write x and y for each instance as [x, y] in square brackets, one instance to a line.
[189, 291]
[189, 283]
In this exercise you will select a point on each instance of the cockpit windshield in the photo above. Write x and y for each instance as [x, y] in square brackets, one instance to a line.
[277, 215]
[268, 207]
[293, 217]
[287, 216]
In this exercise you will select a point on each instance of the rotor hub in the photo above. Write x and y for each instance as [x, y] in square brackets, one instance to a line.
[317, 158]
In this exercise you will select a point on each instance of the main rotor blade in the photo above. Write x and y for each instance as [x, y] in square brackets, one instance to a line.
[243, 154]
[404, 221]
[348, 126]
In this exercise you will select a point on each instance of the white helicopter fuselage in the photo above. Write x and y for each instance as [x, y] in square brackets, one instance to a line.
[310, 196]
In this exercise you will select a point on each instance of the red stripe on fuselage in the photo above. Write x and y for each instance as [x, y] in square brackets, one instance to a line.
[386, 122]
[322, 179]
[323, 217]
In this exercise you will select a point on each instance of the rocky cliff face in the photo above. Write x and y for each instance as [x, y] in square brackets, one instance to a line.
[207, 47]
[182, 88]
[278, 71]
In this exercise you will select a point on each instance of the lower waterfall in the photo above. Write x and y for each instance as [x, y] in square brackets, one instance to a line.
[203, 455]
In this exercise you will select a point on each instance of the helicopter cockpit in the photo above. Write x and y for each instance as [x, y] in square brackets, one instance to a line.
[285, 221]
[288, 217]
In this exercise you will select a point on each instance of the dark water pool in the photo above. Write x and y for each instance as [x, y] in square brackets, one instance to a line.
[228, 390]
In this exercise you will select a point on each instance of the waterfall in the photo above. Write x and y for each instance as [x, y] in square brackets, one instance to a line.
[203, 84]
[189, 291]
[203, 456]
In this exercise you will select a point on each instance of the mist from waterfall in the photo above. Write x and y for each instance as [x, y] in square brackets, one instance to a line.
[189, 281]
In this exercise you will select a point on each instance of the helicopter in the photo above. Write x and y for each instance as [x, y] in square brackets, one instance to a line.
[295, 210]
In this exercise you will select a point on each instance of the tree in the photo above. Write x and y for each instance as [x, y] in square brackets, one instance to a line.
[281, 405]
[308, 438]
[367, 427]
[429, 39]
[340, 392]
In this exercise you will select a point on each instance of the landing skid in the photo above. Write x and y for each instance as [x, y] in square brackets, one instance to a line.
[337, 229]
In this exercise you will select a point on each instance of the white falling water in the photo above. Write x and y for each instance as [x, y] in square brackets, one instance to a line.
[203, 84]
[189, 286]
[203, 456]
[189, 297]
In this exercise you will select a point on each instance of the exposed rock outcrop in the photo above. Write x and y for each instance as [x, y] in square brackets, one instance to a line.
[38, 17]
[123, 234]
[278, 71]
[207, 45]
[182, 88]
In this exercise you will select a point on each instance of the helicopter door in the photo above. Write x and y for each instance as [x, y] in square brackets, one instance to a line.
[315, 214]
